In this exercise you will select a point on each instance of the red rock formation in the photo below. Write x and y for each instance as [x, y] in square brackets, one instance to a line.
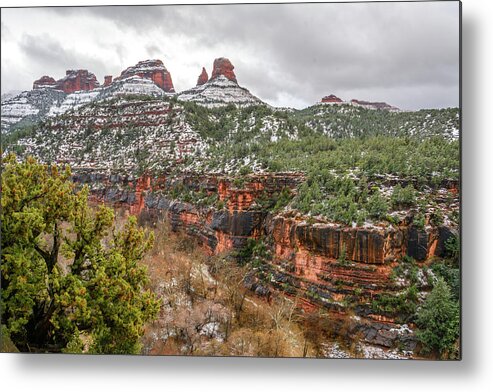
[143, 184]
[222, 66]
[77, 80]
[44, 81]
[107, 80]
[153, 70]
[203, 77]
[307, 260]
[331, 99]
[374, 105]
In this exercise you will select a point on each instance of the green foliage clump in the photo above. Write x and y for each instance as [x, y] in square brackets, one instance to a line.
[283, 200]
[377, 206]
[403, 197]
[254, 251]
[451, 275]
[329, 195]
[69, 281]
[419, 220]
[452, 248]
[342, 259]
[200, 197]
[438, 320]
[402, 306]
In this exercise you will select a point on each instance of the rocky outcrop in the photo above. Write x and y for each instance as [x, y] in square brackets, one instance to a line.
[323, 265]
[221, 89]
[222, 66]
[153, 70]
[221, 229]
[44, 82]
[77, 80]
[203, 77]
[306, 244]
[374, 105]
[108, 79]
[331, 99]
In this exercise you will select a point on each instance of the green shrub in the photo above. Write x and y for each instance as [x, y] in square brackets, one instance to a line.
[438, 320]
[402, 306]
[403, 197]
[377, 206]
[283, 200]
[452, 249]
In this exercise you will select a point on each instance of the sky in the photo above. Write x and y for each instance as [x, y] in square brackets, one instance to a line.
[406, 54]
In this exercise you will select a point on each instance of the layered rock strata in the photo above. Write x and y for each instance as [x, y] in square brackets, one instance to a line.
[153, 70]
[323, 265]
[77, 80]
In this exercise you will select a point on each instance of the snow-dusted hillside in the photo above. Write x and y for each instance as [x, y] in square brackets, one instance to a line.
[10, 94]
[130, 86]
[121, 134]
[348, 120]
[218, 92]
[38, 104]
[29, 106]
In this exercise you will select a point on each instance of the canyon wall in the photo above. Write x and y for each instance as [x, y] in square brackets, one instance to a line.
[340, 268]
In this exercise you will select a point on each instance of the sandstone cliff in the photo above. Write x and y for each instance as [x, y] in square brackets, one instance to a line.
[153, 70]
[340, 268]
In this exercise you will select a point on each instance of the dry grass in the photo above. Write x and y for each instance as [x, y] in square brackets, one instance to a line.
[205, 314]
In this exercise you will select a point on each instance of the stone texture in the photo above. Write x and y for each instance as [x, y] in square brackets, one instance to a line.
[203, 77]
[331, 99]
[43, 82]
[77, 80]
[153, 70]
[222, 66]
[107, 80]
[374, 105]
[306, 258]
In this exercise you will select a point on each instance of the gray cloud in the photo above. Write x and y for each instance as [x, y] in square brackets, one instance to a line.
[404, 53]
[49, 57]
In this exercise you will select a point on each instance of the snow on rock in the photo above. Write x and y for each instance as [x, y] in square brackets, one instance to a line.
[334, 350]
[118, 133]
[10, 94]
[77, 80]
[37, 104]
[44, 82]
[73, 101]
[223, 67]
[374, 105]
[218, 92]
[134, 85]
[30, 106]
[153, 70]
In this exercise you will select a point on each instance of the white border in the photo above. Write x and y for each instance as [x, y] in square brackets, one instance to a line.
[473, 373]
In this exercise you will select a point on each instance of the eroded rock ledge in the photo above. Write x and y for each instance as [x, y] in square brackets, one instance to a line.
[323, 264]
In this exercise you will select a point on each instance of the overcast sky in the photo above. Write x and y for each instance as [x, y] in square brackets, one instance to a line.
[406, 54]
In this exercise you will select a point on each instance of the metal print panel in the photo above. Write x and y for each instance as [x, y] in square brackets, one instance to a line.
[265, 180]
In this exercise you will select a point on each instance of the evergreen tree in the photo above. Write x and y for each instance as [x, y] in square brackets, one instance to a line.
[69, 280]
[438, 321]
